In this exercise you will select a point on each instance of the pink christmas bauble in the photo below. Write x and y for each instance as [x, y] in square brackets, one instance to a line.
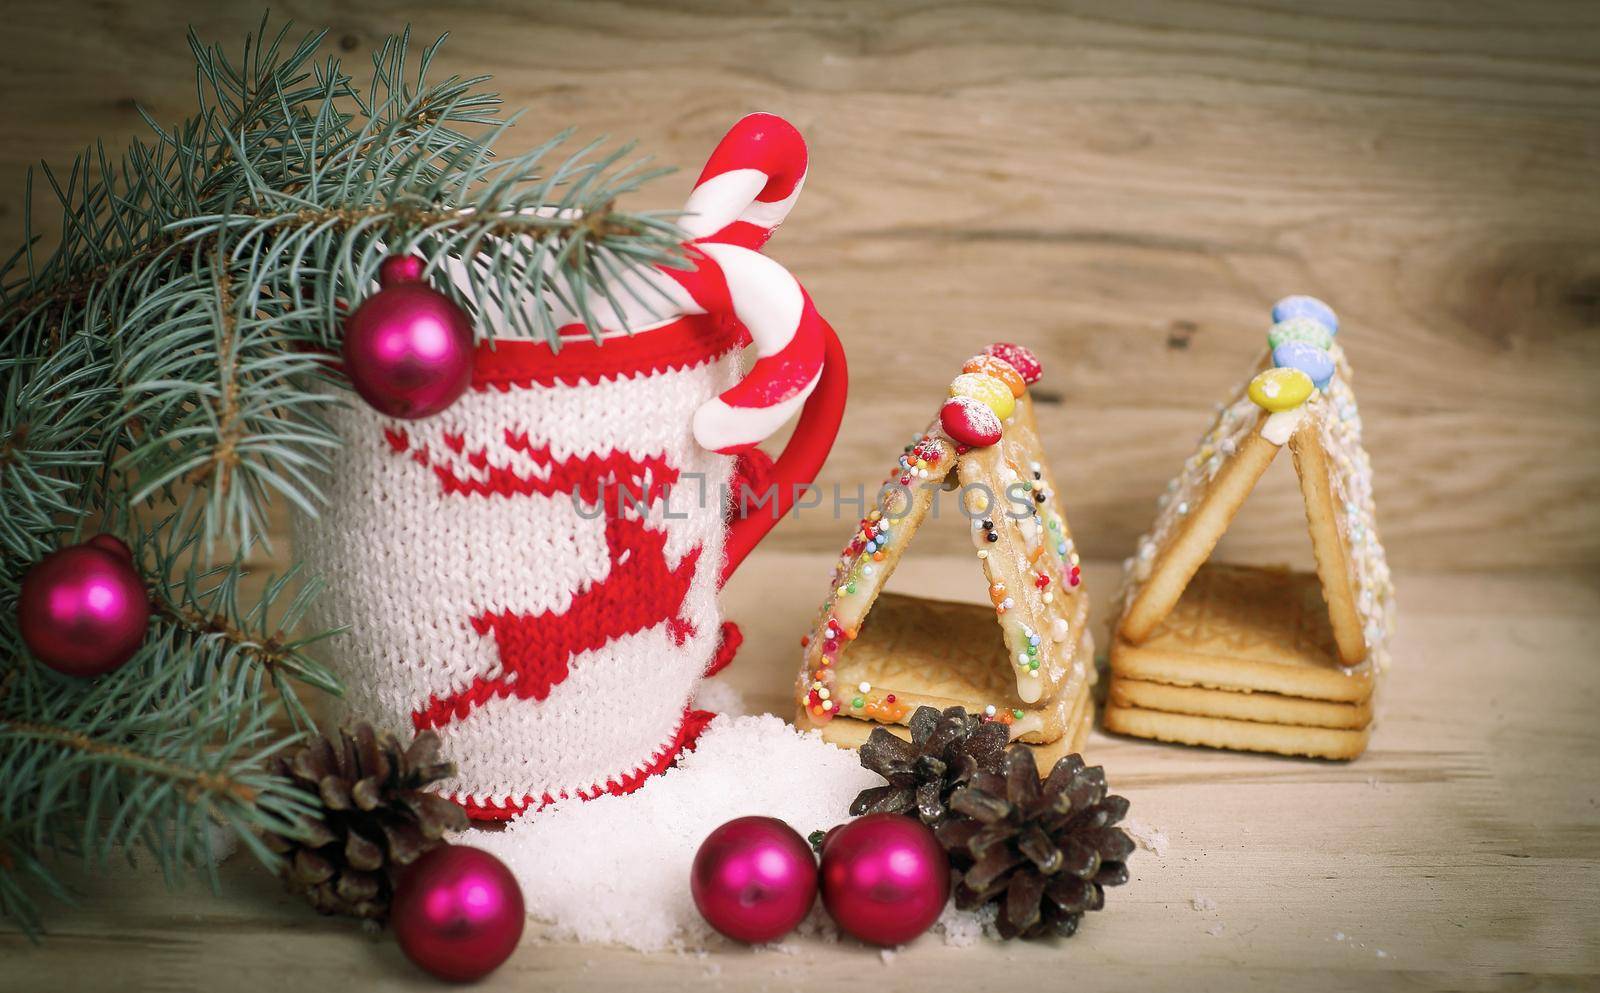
[457, 913]
[83, 610]
[754, 879]
[408, 348]
[885, 878]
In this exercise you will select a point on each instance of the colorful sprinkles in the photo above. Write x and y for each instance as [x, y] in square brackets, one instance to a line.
[1305, 360]
[982, 399]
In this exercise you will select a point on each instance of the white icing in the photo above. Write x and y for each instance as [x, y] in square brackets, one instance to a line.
[1029, 687]
[1026, 724]
[1279, 427]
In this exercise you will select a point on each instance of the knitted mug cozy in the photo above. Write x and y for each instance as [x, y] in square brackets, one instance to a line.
[533, 573]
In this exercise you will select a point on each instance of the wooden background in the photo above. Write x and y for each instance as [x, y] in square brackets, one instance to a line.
[1123, 186]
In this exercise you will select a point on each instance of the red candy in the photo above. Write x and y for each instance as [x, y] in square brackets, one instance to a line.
[969, 422]
[1019, 358]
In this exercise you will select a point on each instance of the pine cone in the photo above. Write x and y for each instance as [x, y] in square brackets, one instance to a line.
[375, 817]
[944, 753]
[1044, 851]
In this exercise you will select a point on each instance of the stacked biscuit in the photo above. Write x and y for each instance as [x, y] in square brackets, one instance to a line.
[1245, 660]
[1252, 658]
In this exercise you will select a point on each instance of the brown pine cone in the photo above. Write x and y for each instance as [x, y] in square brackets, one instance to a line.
[1044, 851]
[375, 817]
[945, 751]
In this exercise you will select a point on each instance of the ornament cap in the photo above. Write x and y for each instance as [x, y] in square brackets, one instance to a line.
[397, 269]
[111, 543]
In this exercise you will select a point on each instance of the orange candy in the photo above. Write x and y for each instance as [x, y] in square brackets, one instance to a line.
[999, 369]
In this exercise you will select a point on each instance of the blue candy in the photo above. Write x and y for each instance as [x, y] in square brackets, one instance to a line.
[1302, 306]
[1306, 357]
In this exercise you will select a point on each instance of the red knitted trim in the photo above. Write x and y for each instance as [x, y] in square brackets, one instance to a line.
[535, 649]
[621, 479]
[727, 648]
[753, 469]
[694, 722]
[508, 363]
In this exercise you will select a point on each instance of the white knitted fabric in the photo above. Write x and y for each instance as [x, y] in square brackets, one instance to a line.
[409, 565]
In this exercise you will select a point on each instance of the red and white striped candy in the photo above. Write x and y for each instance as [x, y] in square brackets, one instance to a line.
[749, 184]
[746, 189]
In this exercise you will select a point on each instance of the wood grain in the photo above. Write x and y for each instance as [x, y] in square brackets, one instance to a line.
[1461, 852]
[1125, 187]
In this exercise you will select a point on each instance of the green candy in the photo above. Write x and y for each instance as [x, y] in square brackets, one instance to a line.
[1299, 329]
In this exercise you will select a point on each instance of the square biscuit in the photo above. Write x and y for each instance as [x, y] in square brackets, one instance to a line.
[1246, 736]
[939, 653]
[1263, 708]
[849, 732]
[1247, 628]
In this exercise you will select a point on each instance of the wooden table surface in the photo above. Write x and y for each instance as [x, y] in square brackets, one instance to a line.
[1461, 852]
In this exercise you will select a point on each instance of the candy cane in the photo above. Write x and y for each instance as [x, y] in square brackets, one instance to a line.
[746, 189]
[749, 184]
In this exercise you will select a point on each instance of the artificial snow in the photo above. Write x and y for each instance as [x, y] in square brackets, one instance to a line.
[1151, 839]
[615, 870]
[962, 928]
[719, 697]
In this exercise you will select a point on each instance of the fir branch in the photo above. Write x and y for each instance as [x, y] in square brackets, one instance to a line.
[143, 758]
[171, 349]
[196, 782]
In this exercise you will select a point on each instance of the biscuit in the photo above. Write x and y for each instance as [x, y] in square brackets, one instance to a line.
[1265, 708]
[1196, 535]
[1323, 434]
[1247, 628]
[847, 732]
[1013, 566]
[1027, 659]
[937, 653]
[1334, 568]
[1248, 736]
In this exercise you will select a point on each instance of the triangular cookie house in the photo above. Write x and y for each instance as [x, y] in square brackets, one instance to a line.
[1194, 637]
[872, 657]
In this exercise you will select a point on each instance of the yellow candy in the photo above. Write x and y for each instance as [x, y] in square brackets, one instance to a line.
[987, 390]
[1280, 389]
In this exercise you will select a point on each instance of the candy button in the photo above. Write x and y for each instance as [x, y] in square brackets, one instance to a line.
[1309, 359]
[1018, 358]
[969, 422]
[1280, 389]
[987, 390]
[1299, 329]
[999, 369]
[1303, 306]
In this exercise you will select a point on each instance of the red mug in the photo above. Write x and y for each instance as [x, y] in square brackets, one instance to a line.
[533, 573]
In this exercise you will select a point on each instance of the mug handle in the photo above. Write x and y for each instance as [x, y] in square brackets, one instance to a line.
[801, 459]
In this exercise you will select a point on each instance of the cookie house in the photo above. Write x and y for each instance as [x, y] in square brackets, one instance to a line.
[1255, 658]
[1026, 660]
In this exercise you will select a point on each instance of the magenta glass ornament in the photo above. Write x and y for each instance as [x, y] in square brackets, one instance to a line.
[408, 348]
[754, 879]
[457, 913]
[885, 878]
[83, 610]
